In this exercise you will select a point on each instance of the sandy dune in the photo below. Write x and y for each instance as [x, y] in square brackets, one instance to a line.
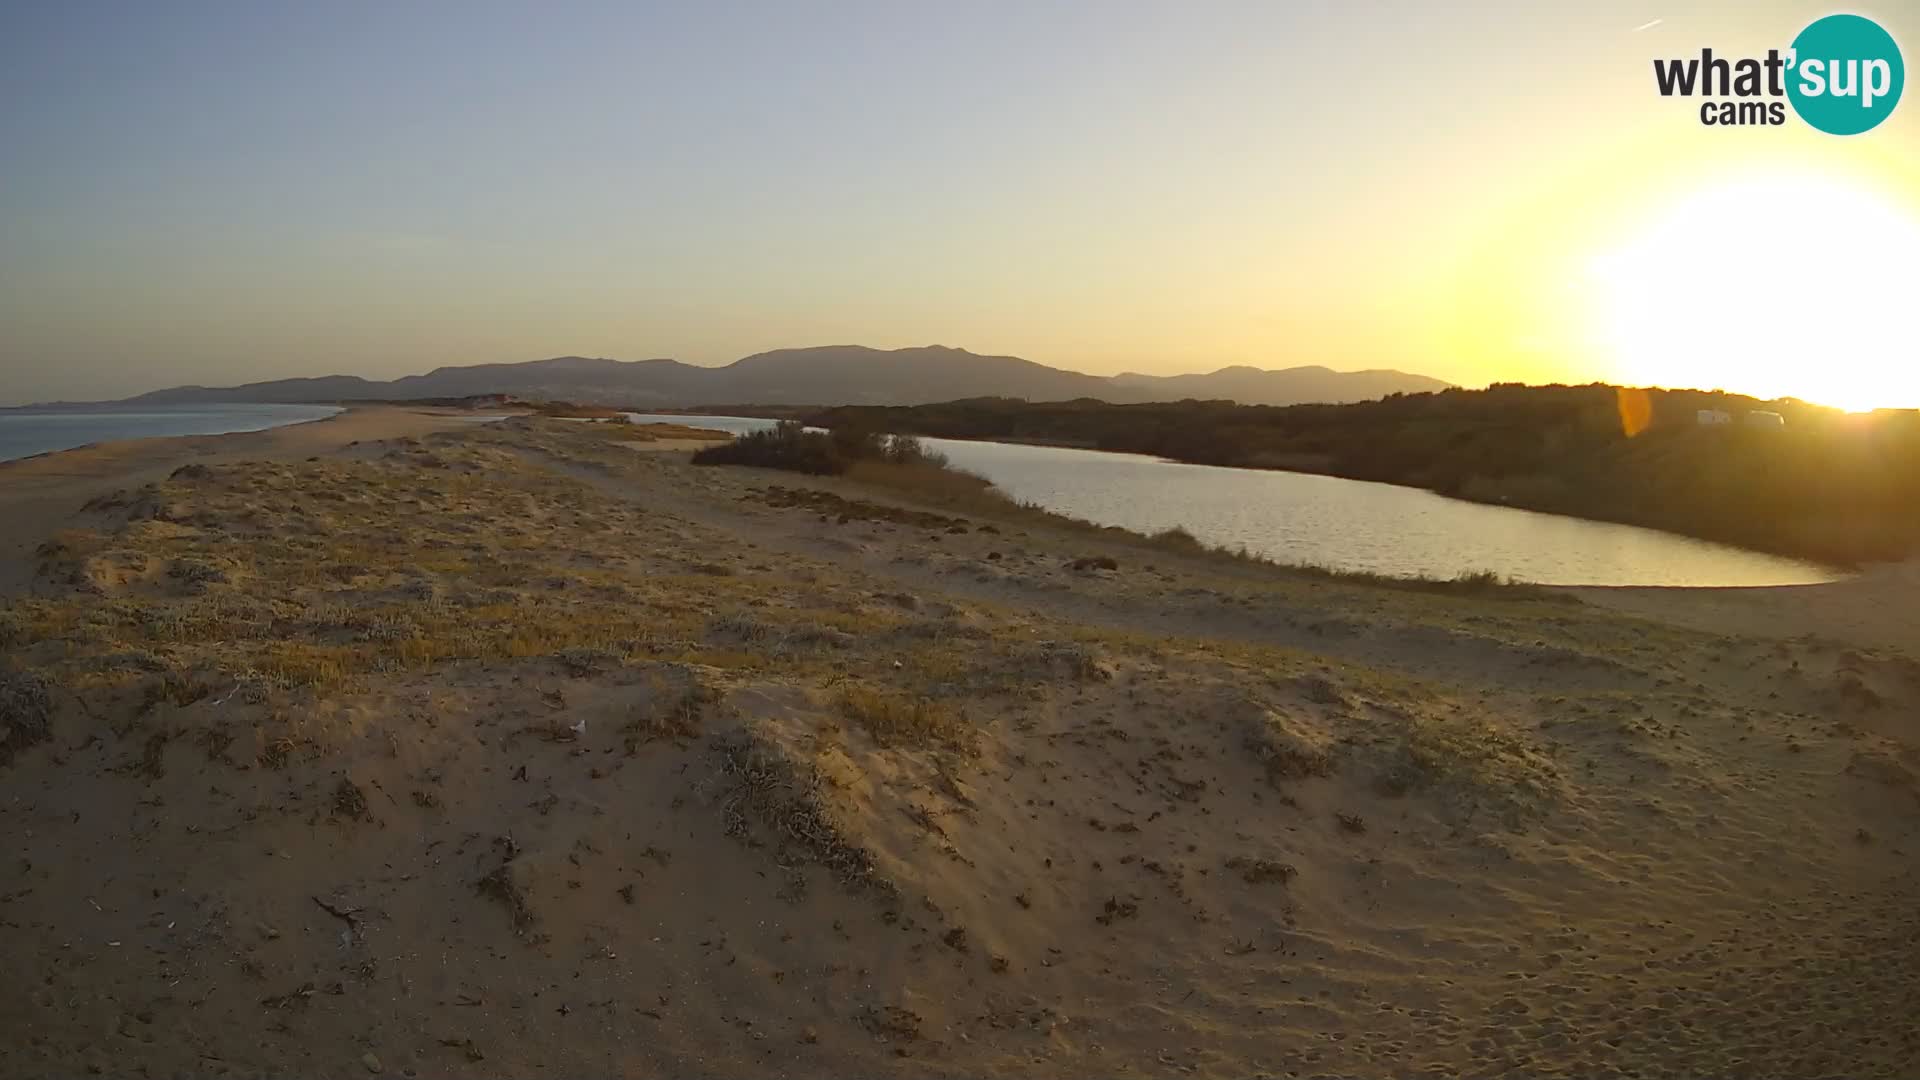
[39, 492]
[498, 749]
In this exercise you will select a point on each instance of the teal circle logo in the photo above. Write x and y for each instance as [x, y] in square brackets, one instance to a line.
[1845, 74]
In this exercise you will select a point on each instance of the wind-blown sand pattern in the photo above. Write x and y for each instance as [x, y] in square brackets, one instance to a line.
[393, 745]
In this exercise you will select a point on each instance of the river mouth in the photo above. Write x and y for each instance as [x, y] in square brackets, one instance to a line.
[1346, 525]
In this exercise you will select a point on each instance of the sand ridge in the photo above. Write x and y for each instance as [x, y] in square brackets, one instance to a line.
[39, 493]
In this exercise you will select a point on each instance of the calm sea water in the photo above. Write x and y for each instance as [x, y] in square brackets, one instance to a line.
[1345, 524]
[26, 432]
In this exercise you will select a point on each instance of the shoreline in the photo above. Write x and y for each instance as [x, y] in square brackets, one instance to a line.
[1843, 570]
[1877, 607]
[341, 413]
[338, 410]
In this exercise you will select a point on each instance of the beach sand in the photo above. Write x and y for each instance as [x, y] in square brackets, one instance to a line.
[1877, 608]
[392, 744]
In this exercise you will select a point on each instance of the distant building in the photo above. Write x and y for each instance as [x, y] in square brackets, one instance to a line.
[1712, 417]
[1763, 418]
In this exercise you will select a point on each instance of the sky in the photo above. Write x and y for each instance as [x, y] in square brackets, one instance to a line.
[214, 193]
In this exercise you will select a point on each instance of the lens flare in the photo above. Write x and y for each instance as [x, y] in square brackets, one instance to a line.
[1778, 286]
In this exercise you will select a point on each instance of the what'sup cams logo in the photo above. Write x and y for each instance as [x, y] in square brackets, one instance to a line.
[1843, 75]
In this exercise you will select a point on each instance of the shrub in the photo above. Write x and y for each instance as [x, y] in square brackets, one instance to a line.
[197, 572]
[26, 712]
[677, 706]
[896, 719]
[1288, 748]
[1261, 871]
[907, 450]
[790, 446]
[1177, 538]
[856, 443]
[787, 446]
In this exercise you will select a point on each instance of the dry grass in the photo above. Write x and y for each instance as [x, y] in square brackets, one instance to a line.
[677, 708]
[770, 795]
[71, 544]
[15, 628]
[501, 886]
[1491, 760]
[1466, 583]
[897, 719]
[309, 580]
[314, 574]
[26, 712]
[349, 801]
[1261, 871]
[1288, 748]
[953, 489]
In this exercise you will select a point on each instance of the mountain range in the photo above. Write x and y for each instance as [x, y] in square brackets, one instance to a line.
[826, 375]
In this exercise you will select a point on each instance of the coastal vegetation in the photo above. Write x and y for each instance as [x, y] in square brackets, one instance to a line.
[567, 410]
[645, 433]
[481, 709]
[1824, 485]
[794, 447]
[903, 467]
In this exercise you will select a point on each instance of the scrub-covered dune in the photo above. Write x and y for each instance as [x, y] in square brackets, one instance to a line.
[503, 749]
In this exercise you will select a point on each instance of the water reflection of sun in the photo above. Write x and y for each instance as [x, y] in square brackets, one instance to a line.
[1788, 284]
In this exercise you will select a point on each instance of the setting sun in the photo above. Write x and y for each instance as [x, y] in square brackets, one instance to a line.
[1783, 285]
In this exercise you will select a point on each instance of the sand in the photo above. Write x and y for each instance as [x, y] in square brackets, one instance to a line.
[39, 492]
[1875, 608]
[500, 749]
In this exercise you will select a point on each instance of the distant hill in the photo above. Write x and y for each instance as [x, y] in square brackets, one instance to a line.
[827, 375]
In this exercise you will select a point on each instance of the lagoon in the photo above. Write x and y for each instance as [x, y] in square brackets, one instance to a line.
[1344, 524]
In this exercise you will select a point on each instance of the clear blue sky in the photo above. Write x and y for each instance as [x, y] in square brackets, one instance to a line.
[218, 192]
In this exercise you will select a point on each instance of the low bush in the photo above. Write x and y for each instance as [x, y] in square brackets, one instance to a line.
[791, 446]
[895, 719]
[787, 446]
[26, 712]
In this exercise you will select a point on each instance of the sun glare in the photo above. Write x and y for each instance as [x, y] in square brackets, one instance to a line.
[1787, 285]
